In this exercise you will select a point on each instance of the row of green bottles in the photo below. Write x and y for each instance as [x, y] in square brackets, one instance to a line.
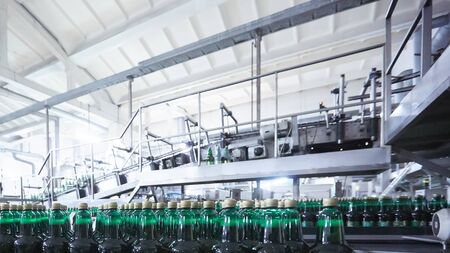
[382, 212]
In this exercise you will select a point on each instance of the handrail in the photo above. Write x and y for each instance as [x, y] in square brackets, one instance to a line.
[273, 118]
[410, 32]
[45, 162]
[357, 51]
[391, 9]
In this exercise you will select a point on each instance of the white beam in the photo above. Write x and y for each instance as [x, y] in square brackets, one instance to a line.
[153, 20]
[104, 113]
[4, 33]
[73, 71]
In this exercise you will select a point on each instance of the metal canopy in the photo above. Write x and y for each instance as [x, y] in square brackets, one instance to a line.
[293, 16]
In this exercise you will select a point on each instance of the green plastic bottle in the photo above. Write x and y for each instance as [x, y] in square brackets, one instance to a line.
[28, 242]
[292, 227]
[273, 240]
[229, 229]
[7, 236]
[330, 230]
[112, 241]
[368, 216]
[82, 242]
[160, 214]
[309, 217]
[55, 242]
[384, 215]
[15, 212]
[208, 228]
[134, 224]
[196, 210]
[248, 228]
[147, 242]
[419, 217]
[353, 214]
[170, 225]
[185, 242]
[402, 214]
[99, 233]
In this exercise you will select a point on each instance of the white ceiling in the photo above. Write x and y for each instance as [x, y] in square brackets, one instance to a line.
[100, 38]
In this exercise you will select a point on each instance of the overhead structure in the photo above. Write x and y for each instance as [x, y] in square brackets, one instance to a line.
[293, 16]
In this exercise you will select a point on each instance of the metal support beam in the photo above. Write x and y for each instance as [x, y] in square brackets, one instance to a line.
[296, 188]
[426, 57]
[258, 80]
[427, 164]
[130, 107]
[199, 153]
[4, 33]
[49, 166]
[299, 14]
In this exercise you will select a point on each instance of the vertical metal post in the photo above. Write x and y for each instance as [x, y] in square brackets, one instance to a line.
[296, 188]
[92, 171]
[21, 190]
[130, 108]
[50, 161]
[4, 33]
[199, 149]
[275, 141]
[258, 80]
[373, 105]
[387, 77]
[56, 128]
[251, 85]
[258, 190]
[342, 94]
[140, 139]
[427, 13]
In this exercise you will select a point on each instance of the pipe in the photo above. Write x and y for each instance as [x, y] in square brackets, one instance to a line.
[33, 167]
[258, 80]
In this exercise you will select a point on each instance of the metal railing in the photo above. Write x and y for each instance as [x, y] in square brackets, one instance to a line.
[138, 116]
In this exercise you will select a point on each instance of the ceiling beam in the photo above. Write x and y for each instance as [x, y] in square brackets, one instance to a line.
[299, 14]
[73, 71]
[102, 112]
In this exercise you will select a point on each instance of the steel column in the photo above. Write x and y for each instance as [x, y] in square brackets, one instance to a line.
[275, 136]
[342, 93]
[387, 85]
[199, 148]
[130, 107]
[52, 156]
[140, 139]
[296, 188]
[258, 80]
[92, 171]
[425, 56]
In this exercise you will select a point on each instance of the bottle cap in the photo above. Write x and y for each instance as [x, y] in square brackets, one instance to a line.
[82, 206]
[185, 204]
[112, 205]
[13, 207]
[257, 204]
[160, 205]
[329, 202]
[131, 206]
[137, 206]
[229, 203]
[246, 204]
[154, 205]
[56, 206]
[172, 205]
[194, 205]
[27, 207]
[208, 204]
[262, 204]
[147, 205]
[4, 206]
[290, 203]
[280, 204]
[271, 203]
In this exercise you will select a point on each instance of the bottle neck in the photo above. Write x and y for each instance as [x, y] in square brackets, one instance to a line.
[26, 223]
[56, 223]
[6, 223]
[83, 224]
[112, 226]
